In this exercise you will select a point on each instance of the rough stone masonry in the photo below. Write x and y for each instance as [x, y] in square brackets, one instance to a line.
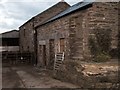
[85, 32]
[88, 34]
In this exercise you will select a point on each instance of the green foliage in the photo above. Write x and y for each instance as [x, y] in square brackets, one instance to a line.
[103, 39]
[102, 57]
[99, 44]
[93, 46]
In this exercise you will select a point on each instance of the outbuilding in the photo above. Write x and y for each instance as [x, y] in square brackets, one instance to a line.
[9, 41]
[82, 31]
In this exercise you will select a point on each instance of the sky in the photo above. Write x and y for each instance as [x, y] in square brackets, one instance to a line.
[13, 13]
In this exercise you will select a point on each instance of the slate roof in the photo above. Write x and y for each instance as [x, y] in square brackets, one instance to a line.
[59, 4]
[10, 34]
[69, 10]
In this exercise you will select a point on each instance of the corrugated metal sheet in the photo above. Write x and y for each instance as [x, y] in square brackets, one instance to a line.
[69, 10]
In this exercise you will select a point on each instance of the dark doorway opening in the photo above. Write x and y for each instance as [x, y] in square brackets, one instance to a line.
[44, 55]
[52, 53]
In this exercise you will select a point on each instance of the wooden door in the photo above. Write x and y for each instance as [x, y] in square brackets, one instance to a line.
[44, 55]
[62, 45]
[52, 53]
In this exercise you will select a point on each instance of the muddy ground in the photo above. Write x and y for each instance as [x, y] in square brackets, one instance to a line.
[25, 76]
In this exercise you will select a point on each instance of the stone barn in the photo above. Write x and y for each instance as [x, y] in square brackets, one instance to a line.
[83, 32]
[87, 33]
[9, 41]
[27, 30]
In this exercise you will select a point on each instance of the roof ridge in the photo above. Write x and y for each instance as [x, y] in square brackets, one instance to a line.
[43, 12]
[9, 31]
[68, 10]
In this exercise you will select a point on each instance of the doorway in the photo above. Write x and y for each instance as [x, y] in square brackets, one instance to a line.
[52, 53]
[62, 45]
[42, 55]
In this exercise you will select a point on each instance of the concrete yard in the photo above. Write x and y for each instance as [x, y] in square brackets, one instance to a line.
[30, 77]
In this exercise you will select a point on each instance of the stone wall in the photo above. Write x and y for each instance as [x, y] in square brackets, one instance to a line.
[50, 12]
[99, 22]
[27, 32]
[119, 33]
[100, 19]
[103, 26]
[26, 37]
[78, 27]
[55, 31]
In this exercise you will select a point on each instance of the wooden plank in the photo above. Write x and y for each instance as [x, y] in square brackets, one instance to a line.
[59, 57]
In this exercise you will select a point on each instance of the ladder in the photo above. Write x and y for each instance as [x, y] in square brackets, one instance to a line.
[59, 57]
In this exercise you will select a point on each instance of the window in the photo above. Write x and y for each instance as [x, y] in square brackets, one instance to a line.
[62, 45]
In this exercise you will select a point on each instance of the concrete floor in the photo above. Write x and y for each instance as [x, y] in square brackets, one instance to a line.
[30, 77]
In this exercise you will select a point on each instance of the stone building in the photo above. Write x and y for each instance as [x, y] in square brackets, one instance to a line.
[72, 30]
[9, 41]
[27, 31]
[85, 32]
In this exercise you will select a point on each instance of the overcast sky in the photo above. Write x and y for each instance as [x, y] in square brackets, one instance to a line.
[13, 13]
